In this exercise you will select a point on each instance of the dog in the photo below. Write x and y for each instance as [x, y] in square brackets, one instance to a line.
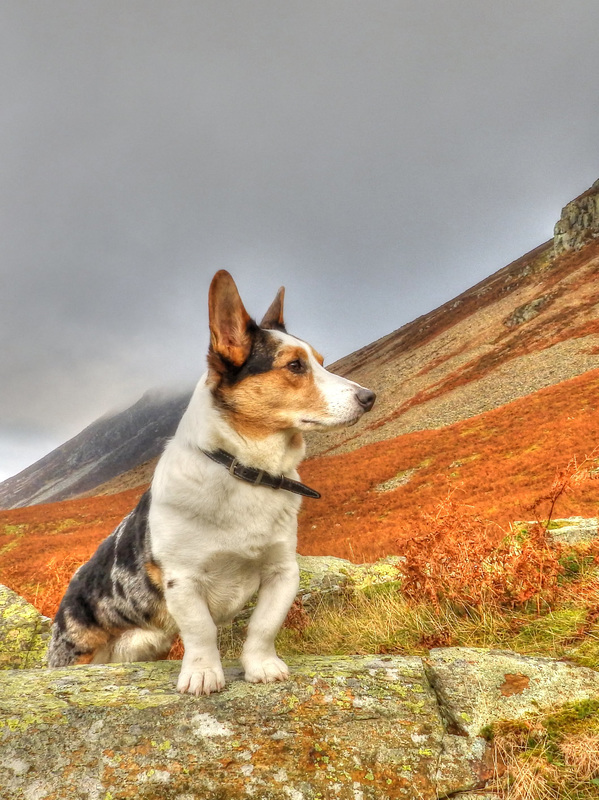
[219, 522]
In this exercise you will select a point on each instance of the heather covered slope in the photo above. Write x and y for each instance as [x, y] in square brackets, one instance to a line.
[498, 463]
[530, 325]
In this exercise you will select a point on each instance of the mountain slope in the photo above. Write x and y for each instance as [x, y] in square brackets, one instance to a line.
[530, 325]
[108, 447]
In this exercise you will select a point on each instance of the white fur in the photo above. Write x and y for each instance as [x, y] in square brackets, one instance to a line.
[218, 539]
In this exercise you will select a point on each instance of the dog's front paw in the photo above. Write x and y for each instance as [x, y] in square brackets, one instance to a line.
[201, 681]
[266, 670]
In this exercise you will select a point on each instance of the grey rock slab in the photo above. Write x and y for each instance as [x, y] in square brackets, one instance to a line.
[574, 530]
[477, 687]
[339, 728]
[24, 632]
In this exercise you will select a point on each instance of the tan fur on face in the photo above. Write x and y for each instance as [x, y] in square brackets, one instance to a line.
[317, 355]
[261, 404]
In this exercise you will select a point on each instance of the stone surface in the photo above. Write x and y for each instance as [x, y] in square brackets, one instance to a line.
[324, 574]
[573, 530]
[366, 727]
[477, 687]
[24, 632]
[579, 222]
[318, 573]
[358, 727]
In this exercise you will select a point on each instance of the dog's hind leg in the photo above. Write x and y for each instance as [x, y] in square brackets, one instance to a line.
[72, 643]
[138, 644]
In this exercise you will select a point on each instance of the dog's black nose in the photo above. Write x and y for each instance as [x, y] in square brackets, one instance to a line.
[366, 399]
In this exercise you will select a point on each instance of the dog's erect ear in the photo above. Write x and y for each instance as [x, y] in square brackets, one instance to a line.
[273, 319]
[230, 323]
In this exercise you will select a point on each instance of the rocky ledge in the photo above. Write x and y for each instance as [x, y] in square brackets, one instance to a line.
[354, 727]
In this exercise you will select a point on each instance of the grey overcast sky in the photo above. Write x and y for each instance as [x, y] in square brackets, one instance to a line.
[375, 157]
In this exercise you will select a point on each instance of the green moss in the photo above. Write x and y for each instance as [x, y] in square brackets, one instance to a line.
[545, 634]
[586, 654]
[575, 564]
[382, 588]
[13, 530]
[578, 717]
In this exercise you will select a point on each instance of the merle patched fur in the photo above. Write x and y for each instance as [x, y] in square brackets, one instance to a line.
[111, 593]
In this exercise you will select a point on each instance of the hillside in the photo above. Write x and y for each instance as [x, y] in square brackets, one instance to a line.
[498, 463]
[531, 325]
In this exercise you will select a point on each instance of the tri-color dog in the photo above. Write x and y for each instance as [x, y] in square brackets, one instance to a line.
[220, 520]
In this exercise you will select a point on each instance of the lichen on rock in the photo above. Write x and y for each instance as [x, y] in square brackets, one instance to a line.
[24, 633]
[339, 726]
[477, 687]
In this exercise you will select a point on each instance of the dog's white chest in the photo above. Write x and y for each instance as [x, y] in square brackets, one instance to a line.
[228, 539]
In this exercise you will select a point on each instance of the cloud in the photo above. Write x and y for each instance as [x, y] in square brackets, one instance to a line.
[376, 157]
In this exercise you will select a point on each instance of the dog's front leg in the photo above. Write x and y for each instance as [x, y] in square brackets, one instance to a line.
[201, 669]
[277, 592]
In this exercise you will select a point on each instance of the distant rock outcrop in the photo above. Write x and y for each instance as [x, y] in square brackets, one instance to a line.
[579, 222]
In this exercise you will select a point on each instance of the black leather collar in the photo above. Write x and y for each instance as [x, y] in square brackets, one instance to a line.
[258, 477]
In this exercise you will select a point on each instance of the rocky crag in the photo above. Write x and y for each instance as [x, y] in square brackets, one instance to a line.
[579, 222]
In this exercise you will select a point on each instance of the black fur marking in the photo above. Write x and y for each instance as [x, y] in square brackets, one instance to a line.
[133, 539]
[112, 591]
[84, 613]
[170, 583]
[260, 360]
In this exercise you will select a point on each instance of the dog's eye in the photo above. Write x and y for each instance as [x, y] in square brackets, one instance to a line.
[296, 366]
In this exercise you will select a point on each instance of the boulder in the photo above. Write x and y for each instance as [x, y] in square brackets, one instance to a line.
[325, 574]
[570, 531]
[24, 632]
[365, 727]
[353, 727]
[477, 687]
[574, 530]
